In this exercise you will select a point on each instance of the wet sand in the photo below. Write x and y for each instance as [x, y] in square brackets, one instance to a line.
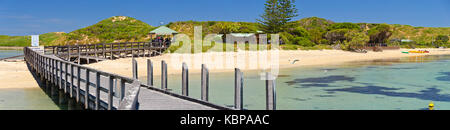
[16, 75]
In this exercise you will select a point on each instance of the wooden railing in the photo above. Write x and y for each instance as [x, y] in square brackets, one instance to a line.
[77, 81]
[105, 51]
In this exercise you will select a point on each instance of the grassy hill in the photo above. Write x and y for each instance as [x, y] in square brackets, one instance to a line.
[21, 41]
[209, 27]
[114, 29]
[308, 32]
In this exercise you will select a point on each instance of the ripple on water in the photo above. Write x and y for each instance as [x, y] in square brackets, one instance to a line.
[322, 80]
[444, 76]
[427, 94]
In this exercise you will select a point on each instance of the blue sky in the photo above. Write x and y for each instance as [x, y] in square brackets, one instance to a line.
[26, 17]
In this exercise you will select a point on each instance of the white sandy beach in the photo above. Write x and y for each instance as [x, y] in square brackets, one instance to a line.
[16, 75]
[285, 60]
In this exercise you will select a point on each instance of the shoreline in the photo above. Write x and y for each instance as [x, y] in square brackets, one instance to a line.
[10, 48]
[286, 57]
[16, 74]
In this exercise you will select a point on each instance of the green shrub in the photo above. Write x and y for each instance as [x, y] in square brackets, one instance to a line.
[324, 41]
[300, 32]
[289, 47]
[356, 41]
[286, 37]
[302, 41]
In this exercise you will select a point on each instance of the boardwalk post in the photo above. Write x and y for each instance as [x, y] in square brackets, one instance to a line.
[163, 75]
[79, 55]
[135, 69]
[238, 95]
[54, 72]
[66, 81]
[68, 51]
[122, 90]
[96, 55]
[149, 73]
[45, 69]
[103, 50]
[86, 90]
[118, 47]
[60, 75]
[185, 80]
[87, 53]
[270, 92]
[71, 81]
[52, 63]
[97, 91]
[78, 83]
[205, 83]
[132, 52]
[111, 51]
[110, 92]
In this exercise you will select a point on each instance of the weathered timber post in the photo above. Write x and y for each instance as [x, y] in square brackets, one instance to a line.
[122, 90]
[132, 52]
[111, 51]
[238, 94]
[149, 73]
[120, 52]
[60, 75]
[103, 50]
[135, 68]
[163, 75]
[53, 71]
[270, 92]
[87, 53]
[66, 81]
[79, 55]
[71, 81]
[78, 83]
[68, 51]
[110, 93]
[97, 91]
[96, 55]
[185, 80]
[205, 83]
[86, 90]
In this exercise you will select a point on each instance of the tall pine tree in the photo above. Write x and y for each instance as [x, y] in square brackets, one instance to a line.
[277, 15]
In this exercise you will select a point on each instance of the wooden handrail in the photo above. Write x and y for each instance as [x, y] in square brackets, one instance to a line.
[43, 64]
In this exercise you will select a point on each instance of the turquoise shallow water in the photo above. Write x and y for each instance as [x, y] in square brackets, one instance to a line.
[10, 53]
[26, 99]
[393, 84]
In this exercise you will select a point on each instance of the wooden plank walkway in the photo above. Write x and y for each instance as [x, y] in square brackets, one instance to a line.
[154, 100]
[99, 90]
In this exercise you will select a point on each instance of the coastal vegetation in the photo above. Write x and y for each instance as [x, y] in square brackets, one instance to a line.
[278, 17]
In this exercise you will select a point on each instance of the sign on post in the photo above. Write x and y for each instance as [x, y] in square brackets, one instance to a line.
[35, 40]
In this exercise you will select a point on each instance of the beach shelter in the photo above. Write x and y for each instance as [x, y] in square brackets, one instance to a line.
[164, 31]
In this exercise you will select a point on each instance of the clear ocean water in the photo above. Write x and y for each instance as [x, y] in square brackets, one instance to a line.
[392, 84]
[10, 53]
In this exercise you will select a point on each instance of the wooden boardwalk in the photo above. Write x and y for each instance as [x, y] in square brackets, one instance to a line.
[98, 90]
[107, 91]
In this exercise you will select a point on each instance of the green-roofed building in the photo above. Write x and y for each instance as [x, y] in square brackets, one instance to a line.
[163, 31]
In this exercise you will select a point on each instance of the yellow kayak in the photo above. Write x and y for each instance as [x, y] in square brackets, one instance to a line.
[419, 51]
